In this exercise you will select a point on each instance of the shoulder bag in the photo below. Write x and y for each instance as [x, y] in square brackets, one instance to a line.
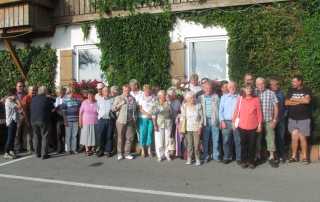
[236, 123]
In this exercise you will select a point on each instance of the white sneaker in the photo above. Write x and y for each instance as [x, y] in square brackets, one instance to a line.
[198, 162]
[168, 158]
[189, 161]
[129, 157]
[120, 157]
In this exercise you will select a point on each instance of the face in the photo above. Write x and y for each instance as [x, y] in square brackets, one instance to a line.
[155, 91]
[248, 90]
[12, 97]
[232, 88]
[224, 88]
[133, 86]
[248, 79]
[126, 91]
[193, 82]
[203, 82]
[34, 92]
[105, 92]
[147, 91]
[162, 97]
[99, 91]
[274, 86]
[207, 89]
[113, 94]
[71, 93]
[20, 87]
[295, 83]
[178, 85]
[58, 93]
[190, 100]
[260, 84]
[172, 96]
[90, 96]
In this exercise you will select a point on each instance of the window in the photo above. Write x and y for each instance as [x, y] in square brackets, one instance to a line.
[207, 57]
[88, 63]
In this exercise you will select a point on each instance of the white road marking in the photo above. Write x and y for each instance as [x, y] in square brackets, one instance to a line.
[13, 161]
[142, 191]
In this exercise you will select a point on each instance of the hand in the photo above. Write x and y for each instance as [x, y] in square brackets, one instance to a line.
[199, 130]
[149, 116]
[156, 128]
[223, 124]
[80, 125]
[123, 102]
[66, 124]
[273, 125]
[259, 128]
[233, 127]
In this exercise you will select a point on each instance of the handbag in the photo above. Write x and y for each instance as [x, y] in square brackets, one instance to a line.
[236, 123]
[172, 144]
[113, 115]
[183, 122]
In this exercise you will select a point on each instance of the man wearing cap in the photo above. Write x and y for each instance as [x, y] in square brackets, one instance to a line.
[99, 88]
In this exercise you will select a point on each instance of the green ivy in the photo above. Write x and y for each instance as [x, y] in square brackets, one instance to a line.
[86, 31]
[137, 47]
[39, 64]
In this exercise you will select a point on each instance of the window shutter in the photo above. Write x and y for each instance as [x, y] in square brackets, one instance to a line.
[177, 60]
[66, 66]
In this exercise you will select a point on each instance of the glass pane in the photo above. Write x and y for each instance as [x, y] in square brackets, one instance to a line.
[209, 59]
[89, 64]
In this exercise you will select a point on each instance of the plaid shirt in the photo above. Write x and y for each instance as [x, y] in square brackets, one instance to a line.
[267, 99]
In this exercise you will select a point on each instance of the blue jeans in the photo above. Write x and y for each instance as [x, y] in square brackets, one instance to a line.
[226, 136]
[214, 129]
[279, 130]
[105, 132]
[12, 129]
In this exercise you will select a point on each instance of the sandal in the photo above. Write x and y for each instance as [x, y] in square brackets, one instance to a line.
[88, 153]
[94, 152]
[291, 160]
[305, 161]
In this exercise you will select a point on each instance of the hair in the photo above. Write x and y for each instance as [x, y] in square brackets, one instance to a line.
[190, 94]
[91, 92]
[20, 82]
[11, 91]
[134, 81]
[161, 92]
[271, 79]
[115, 89]
[204, 79]
[194, 76]
[126, 86]
[61, 89]
[208, 84]
[186, 90]
[68, 90]
[298, 77]
[175, 81]
[170, 91]
[247, 74]
[42, 90]
[84, 93]
[243, 94]
[260, 78]
[147, 86]
[230, 82]
[223, 82]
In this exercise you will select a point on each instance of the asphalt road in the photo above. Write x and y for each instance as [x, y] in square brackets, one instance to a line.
[73, 178]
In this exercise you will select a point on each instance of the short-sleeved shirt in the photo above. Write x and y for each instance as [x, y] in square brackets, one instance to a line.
[137, 96]
[89, 113]
[300, 111]
[146, 102]
[267, 99]
[12, 113]
[104, 106]
[26, 103]
[41, 107]
[71, 108]
[175, 106]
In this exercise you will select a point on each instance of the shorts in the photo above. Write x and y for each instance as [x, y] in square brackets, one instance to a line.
[302, 125]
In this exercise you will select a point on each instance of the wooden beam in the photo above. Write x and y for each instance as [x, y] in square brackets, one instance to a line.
[44, 3]
[19, 29]
[15, 57]
[174, 7]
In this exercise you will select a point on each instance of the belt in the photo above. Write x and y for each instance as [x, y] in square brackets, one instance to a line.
[208, 117]
[104, 119]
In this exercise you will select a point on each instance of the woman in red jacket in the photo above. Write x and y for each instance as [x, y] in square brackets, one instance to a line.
[250, 116]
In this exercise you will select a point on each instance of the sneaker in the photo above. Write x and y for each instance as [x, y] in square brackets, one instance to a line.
[8, 156]
[14, 155]
[272, 163]
[120, 157]
[258, 161]
[217, 160]
[128, 157]
[206, 160]
[159, 160]
[73, 152]
[169, 159]
[198, 162]
[189, 161]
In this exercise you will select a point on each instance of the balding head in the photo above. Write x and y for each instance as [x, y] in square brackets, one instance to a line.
[232, 87]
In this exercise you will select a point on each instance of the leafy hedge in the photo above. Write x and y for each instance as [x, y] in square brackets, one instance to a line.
[39, 64]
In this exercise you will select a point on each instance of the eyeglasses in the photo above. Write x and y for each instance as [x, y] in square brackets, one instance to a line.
[34, 90]
[21, 86]
[204, 82]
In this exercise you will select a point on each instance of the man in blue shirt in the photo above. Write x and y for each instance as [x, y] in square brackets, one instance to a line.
[227, 106]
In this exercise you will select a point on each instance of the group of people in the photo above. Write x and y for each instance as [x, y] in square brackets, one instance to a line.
[181, 118]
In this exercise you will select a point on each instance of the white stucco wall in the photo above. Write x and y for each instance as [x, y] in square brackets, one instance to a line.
[71, 36]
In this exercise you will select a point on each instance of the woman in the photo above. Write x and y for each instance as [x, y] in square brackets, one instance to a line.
[145, 120]
[125, 105]
[248, 109]
[162, 120]
[155, 90]
[12, 105]
[194, 85]
[114, 91]
[176, 86]
[70, 113]
[88, 122]
[192, 112]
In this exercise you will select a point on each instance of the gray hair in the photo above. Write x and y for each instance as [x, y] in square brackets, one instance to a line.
[42, 90]
[208, 84]
[175, 81]
[60, 89]
[170, 91]
[261, 79]
[69, 89]
[134, 81]
[194, 76]
[232, 82]
[190, 94]
[115, 89]
[161, 92]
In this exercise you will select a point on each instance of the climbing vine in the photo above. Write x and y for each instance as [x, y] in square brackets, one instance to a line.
[86, 31]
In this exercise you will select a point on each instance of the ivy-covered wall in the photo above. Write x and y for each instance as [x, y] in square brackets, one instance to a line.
[40, 66]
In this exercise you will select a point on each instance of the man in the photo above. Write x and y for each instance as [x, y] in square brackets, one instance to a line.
[269, 107]
[99, 89]
[273, 85]
[41, 108]
[61, 95]
[203, 81]
[226, 110]
[248, 78]
[18, 143]
[298, 100]
[105, 124]
[27, 129]
[210, 106]
[136, 93]
[224, 88]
